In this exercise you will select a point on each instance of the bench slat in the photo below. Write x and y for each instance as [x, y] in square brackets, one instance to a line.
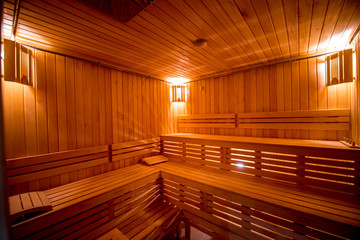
[292, 206]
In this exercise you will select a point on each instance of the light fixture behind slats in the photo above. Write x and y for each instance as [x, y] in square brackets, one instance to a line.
[178, 93]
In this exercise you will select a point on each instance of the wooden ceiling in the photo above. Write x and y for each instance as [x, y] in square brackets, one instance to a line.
[159, 40]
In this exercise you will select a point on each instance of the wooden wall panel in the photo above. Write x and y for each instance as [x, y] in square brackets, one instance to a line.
[355, 103]
[298, 85]
[75, 104]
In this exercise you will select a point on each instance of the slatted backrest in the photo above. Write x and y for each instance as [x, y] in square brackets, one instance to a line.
[122, 151]
[321, 164]
[207, 121]
[306, 120]
[27, 169]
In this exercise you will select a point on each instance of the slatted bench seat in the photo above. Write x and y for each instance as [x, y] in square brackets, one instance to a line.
[153, 222]
[241, 189]
[92, 206]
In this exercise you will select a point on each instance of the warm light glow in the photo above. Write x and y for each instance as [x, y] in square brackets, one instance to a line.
[239, 165]
[177, 80]
[340, 41]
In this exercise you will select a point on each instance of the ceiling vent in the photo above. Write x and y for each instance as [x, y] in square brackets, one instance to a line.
[121, 10]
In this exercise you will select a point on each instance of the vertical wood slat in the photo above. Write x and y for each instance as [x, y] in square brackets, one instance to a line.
[292, 86]
[75, 104]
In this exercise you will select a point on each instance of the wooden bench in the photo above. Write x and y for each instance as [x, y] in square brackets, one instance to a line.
[95, 198]
[337, 119]
[35, 173]
[250, 187]
[90, 207]
[45, 171]
[207, 120]
[122, 152]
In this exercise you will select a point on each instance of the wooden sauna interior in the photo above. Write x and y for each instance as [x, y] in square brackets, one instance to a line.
[166, 119]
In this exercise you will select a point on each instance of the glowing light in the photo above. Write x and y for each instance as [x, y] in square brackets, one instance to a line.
[178, 93]
[177, 80]
[240, 165]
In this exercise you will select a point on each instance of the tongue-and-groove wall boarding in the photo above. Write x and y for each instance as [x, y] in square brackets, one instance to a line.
[75, 104]
[292, 86]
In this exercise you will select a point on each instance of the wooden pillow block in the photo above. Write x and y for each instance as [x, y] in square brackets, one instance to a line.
[30, 202]
[154, 159]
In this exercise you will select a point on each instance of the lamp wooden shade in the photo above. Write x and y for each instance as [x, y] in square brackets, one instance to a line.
[339, 67]
[178, 93]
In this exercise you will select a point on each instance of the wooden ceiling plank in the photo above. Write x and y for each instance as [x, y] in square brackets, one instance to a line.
[158, 42]
[252, 21]
[59, 46]
[8, 16]
[63, 13]
[28, 23]
[157, 23]
[186, 23]
[203, 17]
[237, 55]
[69, 23]
[73, 47]
[237, 39]
[123, 27]
[267, 26]
[305, 12]
[318, 16]
[162, 64]
[72, 52]
[186, 49]
[353, 25]
[291, 9]
[346, 22]
[196, 20]
[278, 17]
[331, 18]
[115, 54]
[238, 20]
[98, 44]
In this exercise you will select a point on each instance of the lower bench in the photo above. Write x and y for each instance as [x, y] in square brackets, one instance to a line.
[131, 199]
[234, 207]
[92, 206]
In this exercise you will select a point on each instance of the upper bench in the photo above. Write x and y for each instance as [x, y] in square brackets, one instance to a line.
[324, 165]
[308, 186]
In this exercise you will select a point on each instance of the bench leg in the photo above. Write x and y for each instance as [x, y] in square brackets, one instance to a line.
[187, 229]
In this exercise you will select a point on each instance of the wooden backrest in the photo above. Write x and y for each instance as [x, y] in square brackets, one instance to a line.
[321, 164]
[305, 120]
[27, 169]
[337, 119]
[208, 120]
[126, 150]
[41, 172]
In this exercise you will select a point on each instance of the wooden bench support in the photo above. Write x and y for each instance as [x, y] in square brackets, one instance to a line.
[153, 222]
